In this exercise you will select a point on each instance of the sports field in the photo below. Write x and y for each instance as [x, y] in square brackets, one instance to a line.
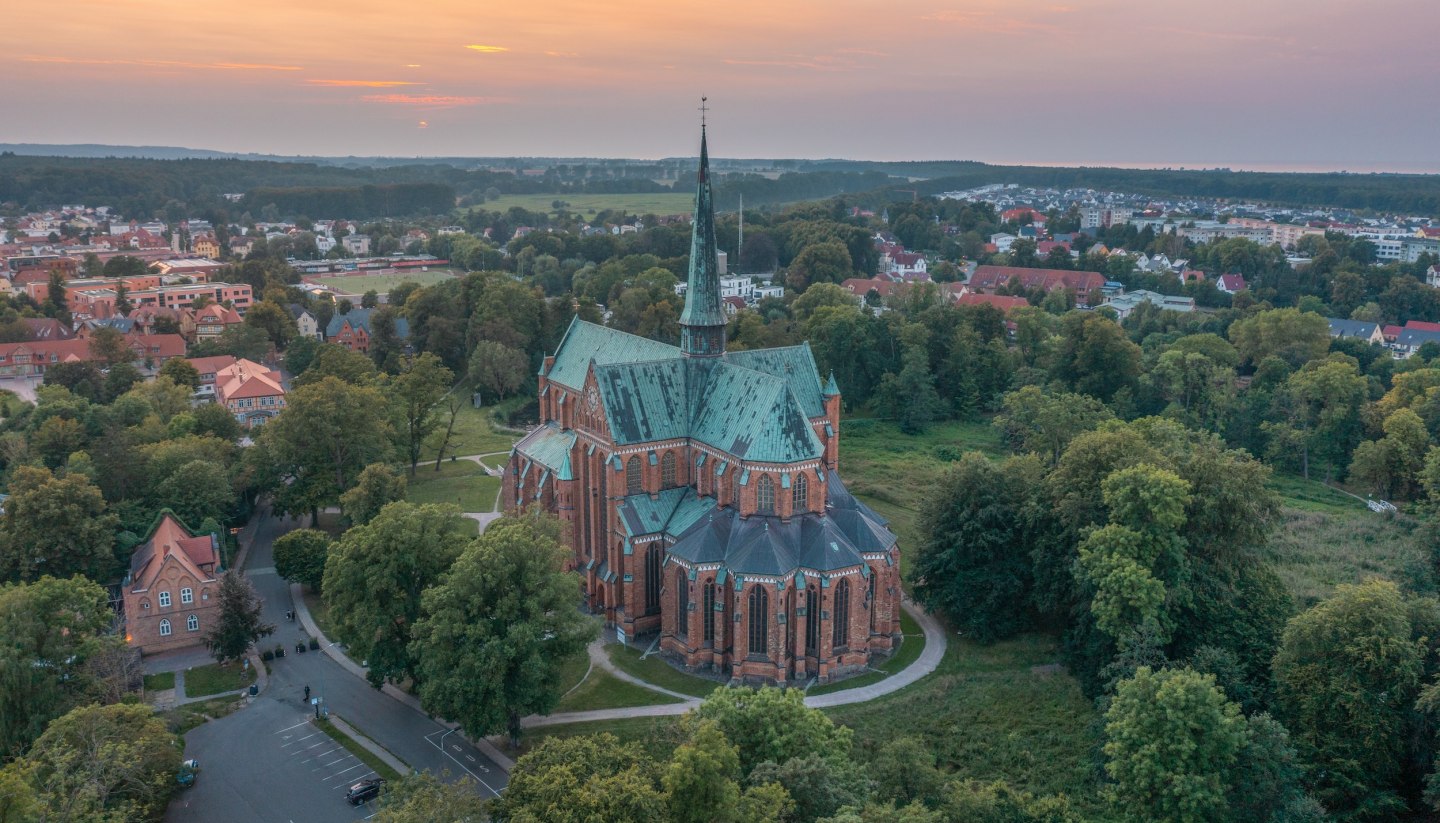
[661, 203]
[382, 283]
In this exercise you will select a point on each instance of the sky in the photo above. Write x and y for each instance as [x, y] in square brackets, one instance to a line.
[1253, 84]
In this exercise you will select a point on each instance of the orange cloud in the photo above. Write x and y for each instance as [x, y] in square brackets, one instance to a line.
[431, 101]
[487, 49]
[165, 64]
[368, 84]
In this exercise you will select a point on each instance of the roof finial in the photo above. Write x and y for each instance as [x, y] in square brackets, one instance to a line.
[703, 108]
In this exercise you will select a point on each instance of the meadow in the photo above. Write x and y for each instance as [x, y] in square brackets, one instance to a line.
[586, 205]
[381, 283]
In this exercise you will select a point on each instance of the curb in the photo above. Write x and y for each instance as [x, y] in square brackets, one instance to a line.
[370, 746]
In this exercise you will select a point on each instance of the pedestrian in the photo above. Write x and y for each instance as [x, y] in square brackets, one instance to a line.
[307, 694]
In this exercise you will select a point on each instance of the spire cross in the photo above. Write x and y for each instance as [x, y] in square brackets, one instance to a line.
[703, 108]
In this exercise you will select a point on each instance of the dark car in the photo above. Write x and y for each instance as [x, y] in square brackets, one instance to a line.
[364, 791]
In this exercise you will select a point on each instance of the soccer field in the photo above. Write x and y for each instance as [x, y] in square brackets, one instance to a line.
[382, 283]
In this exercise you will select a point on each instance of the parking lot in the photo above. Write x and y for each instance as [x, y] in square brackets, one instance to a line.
[327, 761]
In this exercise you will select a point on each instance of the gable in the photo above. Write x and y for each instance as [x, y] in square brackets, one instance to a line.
[644, 401]
[586, 342]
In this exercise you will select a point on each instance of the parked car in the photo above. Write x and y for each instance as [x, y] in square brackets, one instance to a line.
[188, 770]
[364, 791]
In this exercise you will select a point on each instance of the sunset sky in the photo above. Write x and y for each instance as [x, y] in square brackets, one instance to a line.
[1314, 84]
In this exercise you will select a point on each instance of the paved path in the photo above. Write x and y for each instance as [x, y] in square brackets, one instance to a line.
[934, 651]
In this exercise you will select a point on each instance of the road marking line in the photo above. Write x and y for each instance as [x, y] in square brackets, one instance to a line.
[299, 740]
[337, 774]
[296, 726]
[490, 788]
[347, 784]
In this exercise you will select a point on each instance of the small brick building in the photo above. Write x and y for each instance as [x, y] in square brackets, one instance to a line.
[702, 494]
[170, 595]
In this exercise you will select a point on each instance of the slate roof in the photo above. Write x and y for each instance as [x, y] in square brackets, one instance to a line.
[550, 447]
[1352, 328]
[360, 319]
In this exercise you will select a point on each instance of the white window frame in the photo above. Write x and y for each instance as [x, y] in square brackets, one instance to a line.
[164, 599]
[164, 627]
[187, 596]
[192, 623]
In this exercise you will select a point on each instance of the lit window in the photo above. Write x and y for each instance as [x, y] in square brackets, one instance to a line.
[187, 596]
[164, 599]
[165, 627]
[192, 623]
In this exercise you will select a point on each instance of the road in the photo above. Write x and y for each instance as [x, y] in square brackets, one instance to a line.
[262, 763]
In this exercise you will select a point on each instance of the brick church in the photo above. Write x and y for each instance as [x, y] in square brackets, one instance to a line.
[702, 493]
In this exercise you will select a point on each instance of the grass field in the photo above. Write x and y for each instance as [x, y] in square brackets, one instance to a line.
[184, 718]
[202, 681]
[475, 433]
[602, 690]
[661, 203]
[160, 681]
[909, 652]
[657, 735]
[382, 283]
[461, 482]
[655, 670]
[320, 613]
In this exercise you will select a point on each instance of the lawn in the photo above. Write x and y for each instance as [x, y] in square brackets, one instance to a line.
[353, 746]
[184, 718]
[474, 434]
[655, 670]
[461, 482]
[159, 682]
[382, 283]
[661, 203]
[909, 652]
[1311, 495]
[602, 690]
[320, 613]
[1313, 551]
[997, 712]
[215, 679]
[656, 735]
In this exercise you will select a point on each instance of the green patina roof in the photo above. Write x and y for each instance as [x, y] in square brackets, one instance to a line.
[645, 401]
[703, 306]
[550, 447]
[793, 364]
[670, 512]
[754, 416]
[586, 341]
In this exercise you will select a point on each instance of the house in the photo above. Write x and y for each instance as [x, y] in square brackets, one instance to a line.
[212, 321]
[305, 322]
[205, 245]
[46, 328]
[356, 244]
[1410, 339]
[1432, 276]
[169, 597]
[1085, 284]
[906, 265]
[1358, 329]
[1002, 241]
[241, 246]
[1231, 283]
[1002, 302]
[33, 357]
[702, 494]
[1124, 304]
[250, 391]
[208, 366]
[353, 330]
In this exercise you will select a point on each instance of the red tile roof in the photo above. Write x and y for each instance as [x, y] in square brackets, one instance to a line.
[1001, 302]
[989, 278]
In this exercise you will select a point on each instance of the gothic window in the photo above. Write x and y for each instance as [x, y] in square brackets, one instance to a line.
[667, 470]
[192, 624]
[765, 495]
[165, 627]
[759, 619]
[653, 558]
[632, 476]
[840, 623]
[682, 604]
[812, 622]
[800, 494]
[870, 602]
[707, 602]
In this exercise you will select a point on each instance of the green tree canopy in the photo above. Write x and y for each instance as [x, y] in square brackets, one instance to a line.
[56, 526]
[376, 487]
[237, 625]
[300, 557]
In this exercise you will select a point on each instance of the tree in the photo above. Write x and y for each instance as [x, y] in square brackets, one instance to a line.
[498, 369]
[334, 360]
[376, 487]
[56, 526]
[216, 421]
[181, 372]
[238, 625]
[971, 800]
[243, 341]
[374, 579]
[274, 320]
[772, 725]
[1346, 679]
[701, 779]
[1319, 413]
[197, 491]
[300, 557]
[973, 563]
[1044, 423]
[1172, 740]
[1093, 356]
[579, 780]
[824, 262]
[417, 392]
[904, 772]
[56, 302]
[421, 797]
[1294, 336]
[910, 396]
[496, 632]
[1391, 466]
[105, 763]
[123, 307]
[108, 346]
[51, 627]
[370, 299]
[329, 431]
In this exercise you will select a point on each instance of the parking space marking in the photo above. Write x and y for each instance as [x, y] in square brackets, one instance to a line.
[296, 726]
[300, 739]
[337, 774]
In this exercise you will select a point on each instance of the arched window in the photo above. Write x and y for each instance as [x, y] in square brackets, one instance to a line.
[165, 627]
[192, 624]
[759, 619]
[682, 604]
[632, 476]
[187, 596]
[667, 470]
[707, 602]
[765, 495]
[800, 494]
[840, 621]
[812, 622]
[654, 556]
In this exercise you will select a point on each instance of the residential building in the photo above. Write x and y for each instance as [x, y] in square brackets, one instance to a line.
[1231, 283]
[212, 321]
[1103, 217]
[354, 330]
[250, 391]
[1358, 329]
[170, 596]
[1124, 304]
[356, 244]
[1085, 284]
[702, 496]
[305, 322]
[205, 245]
[32, 357]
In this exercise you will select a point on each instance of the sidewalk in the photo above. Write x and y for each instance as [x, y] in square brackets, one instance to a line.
[370, 746]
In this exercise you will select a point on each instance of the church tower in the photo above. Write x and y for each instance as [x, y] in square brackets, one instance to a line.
[702, 324]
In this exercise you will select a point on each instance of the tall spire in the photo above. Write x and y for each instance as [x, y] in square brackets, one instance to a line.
[702, 324]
